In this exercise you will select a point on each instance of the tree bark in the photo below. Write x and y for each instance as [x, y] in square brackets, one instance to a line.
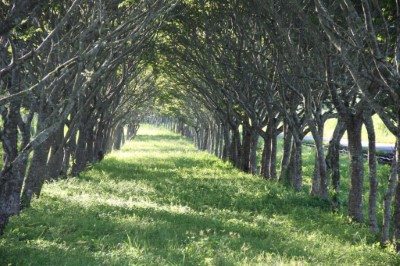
[206, 137]
[396, 215]
[333, 162]
[253, 153]
[287, 145]
[266, 156]
[387, 201]
[79, 164]
[119, 136]
[295, 166]
[217, 140]
[274, 148]
[373, 180]
[37, 168]
[235, 147]
[54, 165]
[227, 143]
[11, 176]
[10, 192]
[19, 12]
[245, 149]
[354, 124]
[320, 178]
[90, 154]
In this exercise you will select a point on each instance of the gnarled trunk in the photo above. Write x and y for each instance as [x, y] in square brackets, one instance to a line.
[37, 169]
[13, 173]
[320, 178]
[332, 162]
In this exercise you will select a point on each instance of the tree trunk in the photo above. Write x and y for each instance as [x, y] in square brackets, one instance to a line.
[227, 143]
[25, 129]
[245, 151]
[235, 148]
[11, 176]
[253, 153]
[387, 200]
[320, 179]
[274, 148]
[119, 135]
[196, 137]
[265, 159]
[213, 133]
[180, 128]
[332, 162]
[269, 151]
[37, 169]
[54, 165]
[217, 141]
[295, 166]
[123, 139]
[316, 180]
[99, 140]
[69, 147]
[205, 143]
[354, 125]
[90, 154]
[373, 180]
[396, 215]
[132, 131]
[80, 152]
[285, 161]
[109, 138]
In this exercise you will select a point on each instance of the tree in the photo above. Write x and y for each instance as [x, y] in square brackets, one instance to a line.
[72, 56]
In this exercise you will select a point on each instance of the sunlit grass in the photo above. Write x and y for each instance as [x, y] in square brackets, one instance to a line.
[159, 201]
[383, 135]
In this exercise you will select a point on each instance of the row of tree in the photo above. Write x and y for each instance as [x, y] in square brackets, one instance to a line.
[286, 66]
[74, 73]
[72, 76]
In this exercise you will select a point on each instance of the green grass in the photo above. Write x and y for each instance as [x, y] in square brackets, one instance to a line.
[159, 201]
[383, 135]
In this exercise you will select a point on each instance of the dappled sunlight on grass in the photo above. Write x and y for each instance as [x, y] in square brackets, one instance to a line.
[159, 201]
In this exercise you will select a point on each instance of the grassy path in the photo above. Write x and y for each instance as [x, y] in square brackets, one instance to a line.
[161, 202]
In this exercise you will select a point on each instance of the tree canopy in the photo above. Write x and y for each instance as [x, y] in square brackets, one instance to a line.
[74, 74]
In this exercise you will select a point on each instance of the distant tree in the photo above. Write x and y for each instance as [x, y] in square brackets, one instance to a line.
[55, 61]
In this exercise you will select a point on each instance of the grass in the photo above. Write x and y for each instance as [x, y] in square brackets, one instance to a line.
[159, 201]
[383, 135]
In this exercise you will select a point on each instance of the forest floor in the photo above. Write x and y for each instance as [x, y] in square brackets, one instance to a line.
[159, 201]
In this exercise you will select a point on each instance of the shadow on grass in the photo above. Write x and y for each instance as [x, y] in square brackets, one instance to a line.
[191, 209]
[157, 138]
[69, 234]
[246, 196]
